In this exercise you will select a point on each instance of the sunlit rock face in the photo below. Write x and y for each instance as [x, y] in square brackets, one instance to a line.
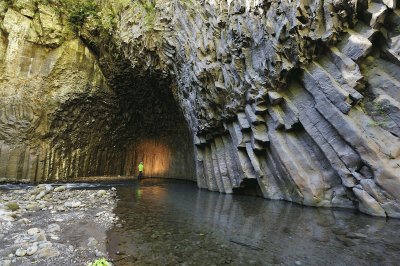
[301, 96]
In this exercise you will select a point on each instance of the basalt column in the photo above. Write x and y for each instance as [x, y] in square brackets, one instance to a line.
[62, 118]
[299, 97]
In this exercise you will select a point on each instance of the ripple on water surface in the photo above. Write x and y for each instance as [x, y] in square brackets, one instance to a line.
[169, 222]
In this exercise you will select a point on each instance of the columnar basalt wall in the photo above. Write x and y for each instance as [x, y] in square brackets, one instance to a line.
[302, 97]
[63, 116]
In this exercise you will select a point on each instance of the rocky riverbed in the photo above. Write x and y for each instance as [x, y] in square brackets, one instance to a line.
[54, 225]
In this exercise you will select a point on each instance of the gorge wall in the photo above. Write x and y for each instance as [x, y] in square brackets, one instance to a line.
[302, 97]
[62, 119]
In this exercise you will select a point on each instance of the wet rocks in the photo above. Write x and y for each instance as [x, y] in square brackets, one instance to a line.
[92, 242]
[53, 219]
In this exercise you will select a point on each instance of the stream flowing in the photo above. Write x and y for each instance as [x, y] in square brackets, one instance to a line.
[172, 222]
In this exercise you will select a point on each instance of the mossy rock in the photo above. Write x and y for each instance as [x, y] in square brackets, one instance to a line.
[12, 206]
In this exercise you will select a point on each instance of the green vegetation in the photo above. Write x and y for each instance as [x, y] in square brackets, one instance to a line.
[100, 262]
[12, 206]
[149, 8]
[80, 11]
[98, 15]
[378, 112]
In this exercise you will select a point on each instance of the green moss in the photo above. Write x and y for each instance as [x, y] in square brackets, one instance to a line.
[80, 11]
[12, 206]
[380, 115]
[150, 13]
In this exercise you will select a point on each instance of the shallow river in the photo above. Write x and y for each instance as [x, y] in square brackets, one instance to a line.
[170, 222]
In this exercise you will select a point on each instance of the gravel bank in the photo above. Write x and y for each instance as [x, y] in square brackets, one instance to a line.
[54, 225]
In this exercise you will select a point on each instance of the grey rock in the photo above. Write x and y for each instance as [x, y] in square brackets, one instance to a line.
[40, 195]
[368, 204]
[51, 228]
[60, 189]
[92, 242]
[47, 252]
[37, 234]
[6, 262]
[20, 252]
[101, 193]
[31, 250]
[73, 204]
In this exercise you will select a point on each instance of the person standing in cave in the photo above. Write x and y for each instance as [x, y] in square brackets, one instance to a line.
[140, 167]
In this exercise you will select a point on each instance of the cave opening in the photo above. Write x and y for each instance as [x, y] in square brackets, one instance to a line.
[151, 127]
[106, 132]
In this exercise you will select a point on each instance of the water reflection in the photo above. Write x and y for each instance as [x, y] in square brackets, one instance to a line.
[173, 222]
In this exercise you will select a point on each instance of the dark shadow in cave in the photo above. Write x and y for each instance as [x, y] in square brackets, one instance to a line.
[248, 187]
[150, 127]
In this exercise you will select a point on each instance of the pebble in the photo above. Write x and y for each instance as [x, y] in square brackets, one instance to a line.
[72, 204]
[24, 221]
[92, 242]
[32, 250]
[52, 200]
[40, 195]
[98, 253]
[53, 228]
[298, 262]
[33, 231]
[6, 263]
[48, 252]
[37, 233]
[60, 188]
[48, 187]
[45, 244]
[101, 193]
[20, 252]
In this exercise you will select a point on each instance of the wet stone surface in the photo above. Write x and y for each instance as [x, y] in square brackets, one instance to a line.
[54, 225]
[169, 222]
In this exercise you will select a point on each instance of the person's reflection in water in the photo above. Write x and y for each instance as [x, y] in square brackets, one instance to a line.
[138, 194]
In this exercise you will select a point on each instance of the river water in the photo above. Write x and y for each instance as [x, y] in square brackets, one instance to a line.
[172, 222]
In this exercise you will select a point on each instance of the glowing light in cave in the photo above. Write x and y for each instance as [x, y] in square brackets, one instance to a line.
[156, 157]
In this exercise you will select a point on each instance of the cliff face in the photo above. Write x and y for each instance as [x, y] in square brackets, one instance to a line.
[61, 118]
[300, 97]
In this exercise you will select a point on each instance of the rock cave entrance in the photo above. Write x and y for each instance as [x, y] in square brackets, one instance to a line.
[150, 127]
[109, 130]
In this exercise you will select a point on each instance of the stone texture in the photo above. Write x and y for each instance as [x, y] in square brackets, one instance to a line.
[61, 119]
[302, 97]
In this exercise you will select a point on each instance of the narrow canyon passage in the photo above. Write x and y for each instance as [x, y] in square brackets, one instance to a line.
[171, 222]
